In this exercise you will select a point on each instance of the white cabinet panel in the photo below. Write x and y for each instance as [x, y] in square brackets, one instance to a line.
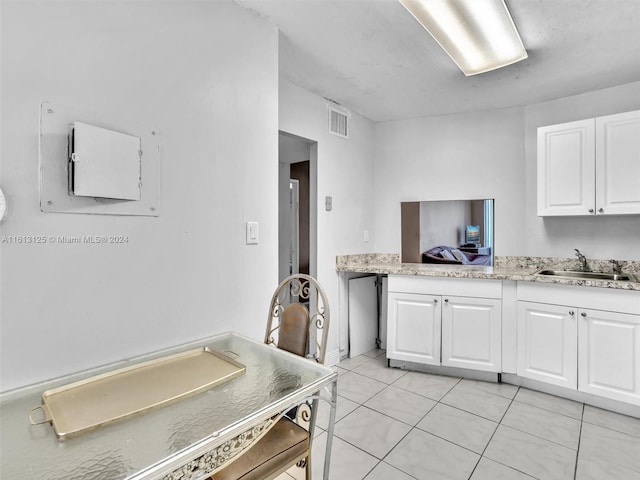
[618, 165]
[461, 287]
[547, 343]
[566, 164]
[471, 333]
[609, 355]
[413, 330]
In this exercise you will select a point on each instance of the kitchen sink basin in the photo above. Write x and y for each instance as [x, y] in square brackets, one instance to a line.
[622, 277]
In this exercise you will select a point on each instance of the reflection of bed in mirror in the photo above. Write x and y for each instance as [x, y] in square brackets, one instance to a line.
[455, 256]
[450, 232]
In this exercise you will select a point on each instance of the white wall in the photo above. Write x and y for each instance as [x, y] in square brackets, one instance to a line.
[452, 157]
[600, 237]
[493, 155]
[344, 172]
[206, 73]
[443, 223]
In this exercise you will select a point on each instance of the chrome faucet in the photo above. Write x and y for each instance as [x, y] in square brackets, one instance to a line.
[617, 268]
[583, 260]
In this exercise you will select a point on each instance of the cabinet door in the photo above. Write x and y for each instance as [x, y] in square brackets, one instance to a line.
[566, 169]
[471, 333]
[618, 163]
[413, 328]
[547, 343]
[609, 355]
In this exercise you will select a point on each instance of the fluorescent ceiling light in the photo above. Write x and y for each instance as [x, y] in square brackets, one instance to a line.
[478, 35]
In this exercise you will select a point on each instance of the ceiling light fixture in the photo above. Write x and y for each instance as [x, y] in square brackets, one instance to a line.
[478, 35]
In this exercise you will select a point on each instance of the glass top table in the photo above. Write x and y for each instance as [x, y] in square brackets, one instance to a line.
[178, 441]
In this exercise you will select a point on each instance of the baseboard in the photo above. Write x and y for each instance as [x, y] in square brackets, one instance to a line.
[589, 399]
[440, 370]
[332, 358]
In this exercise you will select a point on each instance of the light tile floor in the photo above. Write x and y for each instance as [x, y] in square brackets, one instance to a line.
[397, 425]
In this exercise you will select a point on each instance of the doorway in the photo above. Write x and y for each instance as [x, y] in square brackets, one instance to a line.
[297, 205]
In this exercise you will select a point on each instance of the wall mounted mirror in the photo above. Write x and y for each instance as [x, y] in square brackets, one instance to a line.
[449, 232]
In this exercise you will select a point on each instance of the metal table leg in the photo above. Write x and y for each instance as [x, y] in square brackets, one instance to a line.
[332, 421]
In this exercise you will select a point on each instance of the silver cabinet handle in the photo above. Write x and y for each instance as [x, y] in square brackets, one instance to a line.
[601, 210]
[435, 300]
[591, 210]
[446, 300]
[583, 314]
[571, 312]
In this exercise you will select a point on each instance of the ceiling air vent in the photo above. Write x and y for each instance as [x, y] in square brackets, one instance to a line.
[339, 122]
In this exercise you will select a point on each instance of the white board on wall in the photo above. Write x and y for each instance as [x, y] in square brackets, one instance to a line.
[54, 175]
[363, 315]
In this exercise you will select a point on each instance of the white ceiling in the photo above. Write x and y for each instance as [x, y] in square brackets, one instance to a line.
[373, 57]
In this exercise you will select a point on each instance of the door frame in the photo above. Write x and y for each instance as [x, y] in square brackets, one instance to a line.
[291, 148]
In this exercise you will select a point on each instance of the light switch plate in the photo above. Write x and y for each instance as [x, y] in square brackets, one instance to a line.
[253, 233]
[328, 203]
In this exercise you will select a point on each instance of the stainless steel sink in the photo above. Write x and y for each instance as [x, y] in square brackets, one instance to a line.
[622, 277]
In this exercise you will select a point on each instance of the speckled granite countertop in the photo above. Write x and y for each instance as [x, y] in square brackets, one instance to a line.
[505, 268]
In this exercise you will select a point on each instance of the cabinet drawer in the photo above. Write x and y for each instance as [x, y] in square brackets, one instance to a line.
[463, 287]
[609, 299]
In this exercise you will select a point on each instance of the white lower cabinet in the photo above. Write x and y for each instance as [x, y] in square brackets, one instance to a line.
[593, 351]
[413, 328]
[442, 329]
[471, 333]
[548, 343]
[583, 346]
[609, 355]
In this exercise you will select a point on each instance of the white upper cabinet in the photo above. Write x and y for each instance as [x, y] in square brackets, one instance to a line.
[590, 167]
[618, 163]
[566, 170]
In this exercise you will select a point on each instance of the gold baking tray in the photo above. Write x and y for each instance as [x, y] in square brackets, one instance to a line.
[97, 401]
